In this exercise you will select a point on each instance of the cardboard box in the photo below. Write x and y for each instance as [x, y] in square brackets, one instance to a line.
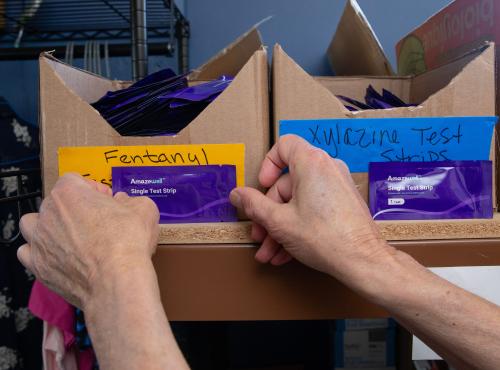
[456, 29]
[355, 49]
[365, 349]
[444, 91]
[239, 115]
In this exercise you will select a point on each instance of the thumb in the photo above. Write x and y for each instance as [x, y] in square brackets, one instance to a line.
[256, 205]
[121, 196]
[24, 256]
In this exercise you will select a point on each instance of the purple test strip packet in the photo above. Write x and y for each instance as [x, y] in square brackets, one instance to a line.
[162, 103]
[374, 100]
[431, 190]
[199, 92]
[183, 194]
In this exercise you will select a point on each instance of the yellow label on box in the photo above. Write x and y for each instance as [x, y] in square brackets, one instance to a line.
[95, 162]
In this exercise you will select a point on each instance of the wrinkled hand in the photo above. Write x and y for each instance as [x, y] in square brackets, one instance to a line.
[83, 235]
[313, 213]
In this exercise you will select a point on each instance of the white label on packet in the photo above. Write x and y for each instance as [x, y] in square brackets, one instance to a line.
[395, 201]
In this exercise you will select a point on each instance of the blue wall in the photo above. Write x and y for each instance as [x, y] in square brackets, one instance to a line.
[303, 28]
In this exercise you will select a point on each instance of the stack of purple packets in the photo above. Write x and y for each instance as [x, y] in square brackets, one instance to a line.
[374, 100]
[160, 104]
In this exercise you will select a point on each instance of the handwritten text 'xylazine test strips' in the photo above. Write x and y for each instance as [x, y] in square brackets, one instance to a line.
[359, 141]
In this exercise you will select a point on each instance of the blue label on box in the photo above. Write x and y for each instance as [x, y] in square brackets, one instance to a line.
[360, 141]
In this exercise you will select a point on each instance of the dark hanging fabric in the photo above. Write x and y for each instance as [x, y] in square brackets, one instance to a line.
[20, 331]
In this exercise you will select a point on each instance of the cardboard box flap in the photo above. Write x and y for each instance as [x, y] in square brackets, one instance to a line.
[463, 71]
[307, 97]
[231, 59]
[236, 115]
[355, 49]
[292, 83]
[68, 86]
[88, 86]
[446, 91]
[67, 119]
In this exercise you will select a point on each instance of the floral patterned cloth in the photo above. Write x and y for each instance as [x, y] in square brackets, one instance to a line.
[20, 331]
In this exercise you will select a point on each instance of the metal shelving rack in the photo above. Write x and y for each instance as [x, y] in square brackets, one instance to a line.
[132, 27]
[135, 28]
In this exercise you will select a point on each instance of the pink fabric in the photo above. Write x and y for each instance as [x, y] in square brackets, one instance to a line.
[58, 315]
[86, 359]
[55, 355]
[50, 307]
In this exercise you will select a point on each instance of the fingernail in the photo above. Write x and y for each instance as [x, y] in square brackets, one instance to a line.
[235, 198]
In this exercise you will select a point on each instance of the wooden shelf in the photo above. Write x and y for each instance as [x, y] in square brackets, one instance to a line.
[208, 271]
[441, 229]
[239, 232]
[205, 282]
[210, 233]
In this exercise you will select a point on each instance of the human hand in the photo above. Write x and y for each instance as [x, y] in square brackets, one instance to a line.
[313, 213]
[83, 236]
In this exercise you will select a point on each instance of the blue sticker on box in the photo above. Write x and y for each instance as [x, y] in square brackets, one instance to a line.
[359, 141]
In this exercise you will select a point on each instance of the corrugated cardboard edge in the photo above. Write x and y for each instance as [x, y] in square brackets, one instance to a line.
[240, 232]
[355, 48]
